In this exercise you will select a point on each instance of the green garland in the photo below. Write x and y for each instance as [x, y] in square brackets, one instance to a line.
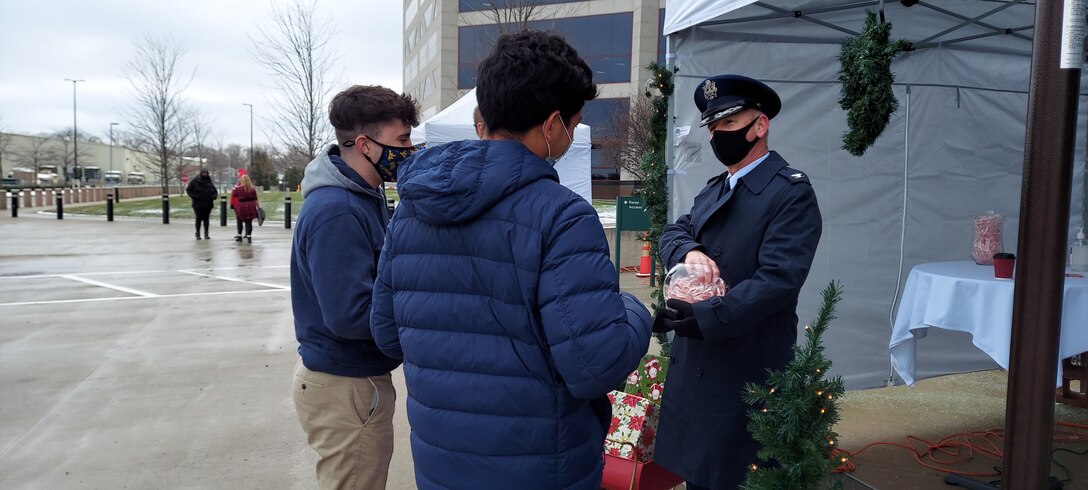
[654, 191]
[866, 77]
[795, 425]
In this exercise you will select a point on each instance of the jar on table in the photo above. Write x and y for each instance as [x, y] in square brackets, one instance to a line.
[988, 239]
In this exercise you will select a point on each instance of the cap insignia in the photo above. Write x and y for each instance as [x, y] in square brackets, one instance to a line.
[710, 90]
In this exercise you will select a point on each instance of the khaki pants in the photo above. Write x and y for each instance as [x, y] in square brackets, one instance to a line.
[349, 422]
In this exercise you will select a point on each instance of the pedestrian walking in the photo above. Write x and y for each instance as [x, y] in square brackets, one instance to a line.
[202, 191]
[245, 208]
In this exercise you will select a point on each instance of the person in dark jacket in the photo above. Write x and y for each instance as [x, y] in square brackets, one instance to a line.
[246, 204]
[495, 288]
[757, 226]
[203, 193]
[342, 388]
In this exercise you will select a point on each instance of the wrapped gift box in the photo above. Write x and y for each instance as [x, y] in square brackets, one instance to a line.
[648, 381]
[633, 428]
[622, 474]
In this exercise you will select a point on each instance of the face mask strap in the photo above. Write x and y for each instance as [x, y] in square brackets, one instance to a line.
[565, 131]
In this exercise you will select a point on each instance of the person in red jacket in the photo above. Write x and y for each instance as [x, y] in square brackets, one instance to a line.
[244, 197]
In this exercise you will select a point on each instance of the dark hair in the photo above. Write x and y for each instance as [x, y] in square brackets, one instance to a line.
[529, 75]
[362, 108]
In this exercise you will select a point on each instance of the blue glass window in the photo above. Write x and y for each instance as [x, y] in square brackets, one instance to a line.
[477, 5]
[600, 114]
[603, 41]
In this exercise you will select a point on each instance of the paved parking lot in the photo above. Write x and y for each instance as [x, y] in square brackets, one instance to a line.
[137, 357]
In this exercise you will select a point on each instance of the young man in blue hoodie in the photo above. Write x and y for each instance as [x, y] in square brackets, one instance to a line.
[342, 388]
[496, 289]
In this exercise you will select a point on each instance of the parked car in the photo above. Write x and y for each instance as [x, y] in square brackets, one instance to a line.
[47, 175]
[135, 178]
[111, 177]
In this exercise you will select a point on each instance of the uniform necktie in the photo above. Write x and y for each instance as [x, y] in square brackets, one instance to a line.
[725, 188]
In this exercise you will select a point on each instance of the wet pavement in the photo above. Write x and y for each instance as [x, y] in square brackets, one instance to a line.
[134, 356]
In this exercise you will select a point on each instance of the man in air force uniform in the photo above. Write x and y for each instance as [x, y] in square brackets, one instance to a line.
[756, 226]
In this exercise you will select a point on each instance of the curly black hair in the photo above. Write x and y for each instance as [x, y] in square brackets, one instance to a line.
[362, 108]
[529, 75]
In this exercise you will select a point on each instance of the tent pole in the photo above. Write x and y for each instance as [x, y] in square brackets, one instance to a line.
[902, 229]
[1040, 267]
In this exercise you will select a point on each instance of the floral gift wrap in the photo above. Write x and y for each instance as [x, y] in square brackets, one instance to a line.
[648, 381]
[634, 425]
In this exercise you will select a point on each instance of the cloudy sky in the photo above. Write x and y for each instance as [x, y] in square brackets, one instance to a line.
[42, 42]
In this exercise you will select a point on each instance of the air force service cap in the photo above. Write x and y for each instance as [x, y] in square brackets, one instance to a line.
[723, 95]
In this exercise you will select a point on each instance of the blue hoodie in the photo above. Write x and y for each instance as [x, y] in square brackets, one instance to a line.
[334, 257]
[495, 287]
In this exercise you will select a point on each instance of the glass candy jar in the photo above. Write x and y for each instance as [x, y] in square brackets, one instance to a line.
[988, 239]
[690, 283]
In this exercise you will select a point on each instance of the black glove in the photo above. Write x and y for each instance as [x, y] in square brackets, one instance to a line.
[685, 324]
[660, 315]
[678, 316]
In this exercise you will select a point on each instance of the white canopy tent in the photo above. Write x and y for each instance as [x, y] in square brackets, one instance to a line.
[953, 150]
[455, 124]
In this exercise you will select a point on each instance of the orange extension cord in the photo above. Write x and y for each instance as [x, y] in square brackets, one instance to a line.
[959, 448]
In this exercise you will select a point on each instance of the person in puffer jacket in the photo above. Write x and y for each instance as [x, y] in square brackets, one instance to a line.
[495, 288]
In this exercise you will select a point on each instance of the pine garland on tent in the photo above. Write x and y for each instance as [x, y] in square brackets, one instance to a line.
[866, 77]
[797, 414]
[654, 191]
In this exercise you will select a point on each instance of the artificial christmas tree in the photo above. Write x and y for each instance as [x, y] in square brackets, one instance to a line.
[796, 413]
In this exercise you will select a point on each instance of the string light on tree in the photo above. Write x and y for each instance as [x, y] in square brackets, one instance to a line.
[797, 413]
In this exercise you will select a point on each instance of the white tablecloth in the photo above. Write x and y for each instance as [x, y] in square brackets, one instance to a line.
[965, 297]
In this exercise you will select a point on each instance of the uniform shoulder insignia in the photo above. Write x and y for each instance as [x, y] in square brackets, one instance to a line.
[795, 176]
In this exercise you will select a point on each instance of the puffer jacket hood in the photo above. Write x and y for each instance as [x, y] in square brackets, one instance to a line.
[458, 182]
[527, 337]
[329, 169]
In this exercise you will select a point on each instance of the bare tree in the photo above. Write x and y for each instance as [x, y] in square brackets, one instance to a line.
[5, 141]
[631, 140]
[157, 116]
[200, 127]
[518, 15]
[295, 51]
[65, 153]
[37, 153]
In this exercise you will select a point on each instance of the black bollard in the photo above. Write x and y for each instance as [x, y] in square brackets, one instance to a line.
[15, 203]
[109, 207]
[60, 205]
[222, 210]
[116, 194]
[390, 205]
[287, 212]
[166, 209]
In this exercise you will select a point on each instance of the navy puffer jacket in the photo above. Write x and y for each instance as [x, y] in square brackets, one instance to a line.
[495, 287]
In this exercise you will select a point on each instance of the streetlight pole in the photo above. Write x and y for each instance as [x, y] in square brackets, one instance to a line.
[75, 134]
[250, 132]
[111, 144]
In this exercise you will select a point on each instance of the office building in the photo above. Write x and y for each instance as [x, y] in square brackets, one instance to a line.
[444, 41]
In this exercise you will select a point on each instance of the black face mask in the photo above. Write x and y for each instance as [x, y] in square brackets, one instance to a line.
[732, 146]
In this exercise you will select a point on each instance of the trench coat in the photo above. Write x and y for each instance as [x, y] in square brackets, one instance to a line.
[763, 235]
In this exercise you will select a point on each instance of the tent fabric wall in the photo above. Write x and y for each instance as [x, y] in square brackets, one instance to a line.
[953, 150]
[455, 123]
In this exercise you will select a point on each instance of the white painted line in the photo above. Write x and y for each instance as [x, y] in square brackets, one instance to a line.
[235, 279]
[110, 286]
[122, 298]
[38, 276]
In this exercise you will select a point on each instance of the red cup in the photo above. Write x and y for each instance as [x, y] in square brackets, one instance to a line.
[1004, 264]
